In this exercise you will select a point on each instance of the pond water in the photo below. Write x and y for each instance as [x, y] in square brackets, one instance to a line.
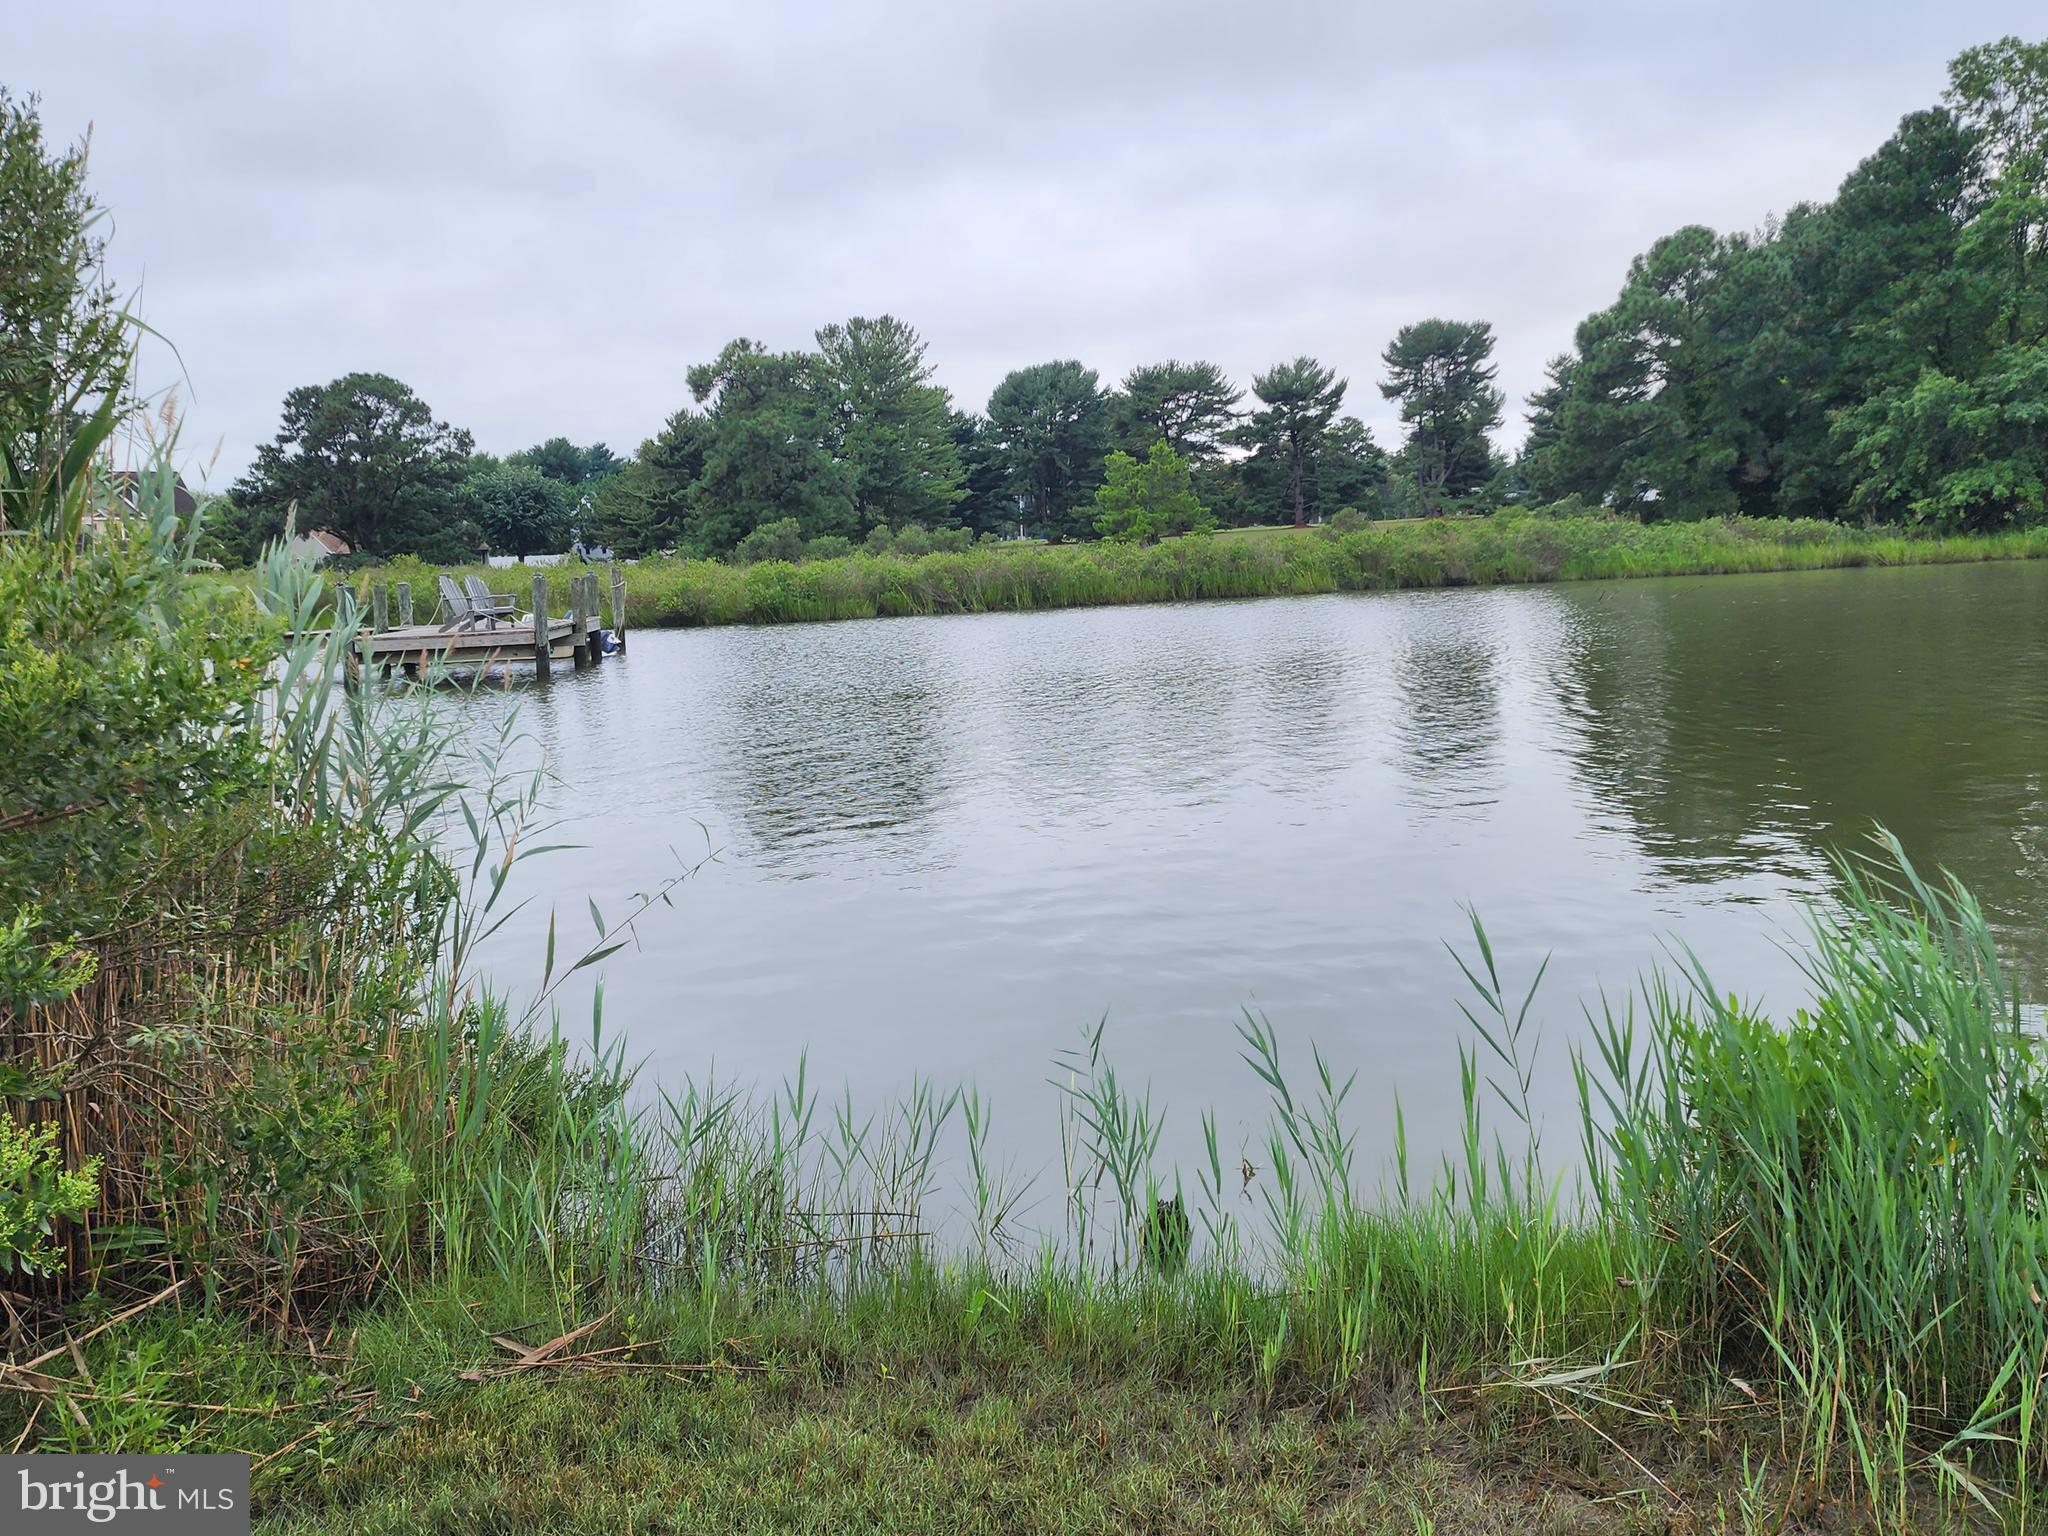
[945, 846]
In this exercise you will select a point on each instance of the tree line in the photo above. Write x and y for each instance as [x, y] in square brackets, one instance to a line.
[853, 442]
[1877, 356]
[1881, 356]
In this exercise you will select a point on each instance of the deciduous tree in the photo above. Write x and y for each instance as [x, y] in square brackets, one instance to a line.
[520, 510]
[567, 462]
[64, 337]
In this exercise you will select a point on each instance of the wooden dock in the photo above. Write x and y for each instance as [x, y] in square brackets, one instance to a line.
[470, 641]
[508, 640]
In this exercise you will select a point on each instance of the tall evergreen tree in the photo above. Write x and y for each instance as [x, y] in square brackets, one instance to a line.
[1190, 407]
[365, 458]
[1442, 373]
[1297, 402]
[987, 504]
[892, 425]
[1538, 460]
[771, 422]
[645, 505]
[1649, 418]
[1348, 471]
[1049, 424]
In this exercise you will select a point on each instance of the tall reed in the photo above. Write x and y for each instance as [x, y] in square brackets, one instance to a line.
[1445, 552]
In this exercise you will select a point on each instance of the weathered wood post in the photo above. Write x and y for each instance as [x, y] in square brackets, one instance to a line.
[405, 605]
[593, 604]
[356, 663]
[619, 606]
[541, 660]
[380, 619]
[579, 632]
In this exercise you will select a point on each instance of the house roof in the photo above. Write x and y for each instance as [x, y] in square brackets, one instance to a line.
[333, 543]
[127, 483]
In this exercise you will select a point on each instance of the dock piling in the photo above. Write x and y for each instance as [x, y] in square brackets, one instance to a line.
[541, 660]
[356, 664]
[405, 605]
[579, 630]
[619, 606]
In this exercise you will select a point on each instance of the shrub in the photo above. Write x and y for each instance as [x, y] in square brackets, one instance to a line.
[782, 539]
[1143, 502]
[36, 1193]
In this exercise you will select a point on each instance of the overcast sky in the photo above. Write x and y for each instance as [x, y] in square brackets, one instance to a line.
[540, 216]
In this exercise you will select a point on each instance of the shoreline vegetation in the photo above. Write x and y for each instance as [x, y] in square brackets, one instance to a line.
[283, 1174]
[1504, 549]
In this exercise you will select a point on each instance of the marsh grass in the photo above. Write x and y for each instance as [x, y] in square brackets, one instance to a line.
[1818, 1238]
[1504, 549]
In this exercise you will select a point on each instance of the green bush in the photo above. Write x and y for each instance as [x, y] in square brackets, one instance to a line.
[37, 1192]
[1143, 501]
[779, 540]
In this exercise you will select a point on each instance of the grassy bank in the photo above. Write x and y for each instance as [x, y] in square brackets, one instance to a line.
[1798, 1286]
[997, 578]
[282, 1174]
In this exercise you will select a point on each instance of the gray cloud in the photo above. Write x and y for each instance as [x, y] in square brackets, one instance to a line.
[540, 216]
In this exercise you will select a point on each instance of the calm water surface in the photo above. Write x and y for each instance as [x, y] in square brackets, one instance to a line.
[946, 845]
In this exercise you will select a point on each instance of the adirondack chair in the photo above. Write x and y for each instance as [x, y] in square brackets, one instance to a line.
[484, 604]
[460, 615]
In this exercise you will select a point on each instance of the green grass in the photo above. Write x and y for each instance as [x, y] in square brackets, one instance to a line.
[1261, 562]
[1801, 1277]
[878, 1411]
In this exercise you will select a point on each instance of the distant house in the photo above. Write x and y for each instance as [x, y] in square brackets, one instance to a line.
[318, 545]
[127, 488]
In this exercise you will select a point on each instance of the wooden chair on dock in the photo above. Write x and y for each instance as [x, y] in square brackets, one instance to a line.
[485, 604]
[460, 615]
